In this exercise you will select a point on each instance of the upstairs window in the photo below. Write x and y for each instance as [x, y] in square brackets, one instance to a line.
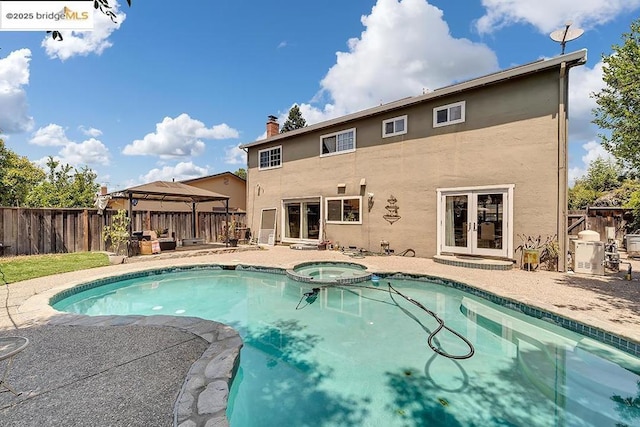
[337, 143]
[270, 158]
[449, 114]
[344, 210]
[395, 126]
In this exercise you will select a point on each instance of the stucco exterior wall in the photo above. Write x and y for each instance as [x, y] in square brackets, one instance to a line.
[510, 137]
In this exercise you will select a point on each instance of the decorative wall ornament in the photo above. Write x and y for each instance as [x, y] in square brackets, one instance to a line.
[392, 216]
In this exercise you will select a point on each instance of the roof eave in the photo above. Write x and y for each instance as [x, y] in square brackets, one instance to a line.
[571, 59]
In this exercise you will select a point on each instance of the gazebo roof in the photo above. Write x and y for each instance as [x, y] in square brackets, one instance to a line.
[169, 191]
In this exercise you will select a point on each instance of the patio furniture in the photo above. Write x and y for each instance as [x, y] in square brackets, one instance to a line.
[9, 347]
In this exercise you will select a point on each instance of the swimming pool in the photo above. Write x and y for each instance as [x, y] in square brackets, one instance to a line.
[357, 355]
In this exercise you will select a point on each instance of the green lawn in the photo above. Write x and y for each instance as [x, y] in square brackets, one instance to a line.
[26, 267]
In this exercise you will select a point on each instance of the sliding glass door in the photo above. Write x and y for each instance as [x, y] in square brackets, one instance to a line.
[301, 220]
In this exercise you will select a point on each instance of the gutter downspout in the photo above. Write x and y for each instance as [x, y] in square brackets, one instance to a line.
[563, 178]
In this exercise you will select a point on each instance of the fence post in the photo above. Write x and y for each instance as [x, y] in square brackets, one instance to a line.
[85, 230]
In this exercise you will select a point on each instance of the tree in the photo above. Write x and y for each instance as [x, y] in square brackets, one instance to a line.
[294, 121]
[64, 187]
[242, 173]
[618, 109]
[17, 177]
[581, 196]
[602, 177]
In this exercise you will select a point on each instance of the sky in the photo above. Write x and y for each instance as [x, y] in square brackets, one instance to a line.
[172, 89]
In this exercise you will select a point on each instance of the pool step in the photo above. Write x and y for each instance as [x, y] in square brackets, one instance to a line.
[474, 262]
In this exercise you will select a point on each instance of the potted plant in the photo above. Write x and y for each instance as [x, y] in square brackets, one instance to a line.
[536, 252]
[550, 253]
[117, 236]
[530, 252]
[231, 234]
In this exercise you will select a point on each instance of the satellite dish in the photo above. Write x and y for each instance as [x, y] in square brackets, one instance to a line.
[565, 35]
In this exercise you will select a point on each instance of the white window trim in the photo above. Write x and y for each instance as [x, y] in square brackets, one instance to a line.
[326, 209]
[461, 104]
[283, 206]
[509, 214]
[335, 153]
[270, 149]
[395, 119]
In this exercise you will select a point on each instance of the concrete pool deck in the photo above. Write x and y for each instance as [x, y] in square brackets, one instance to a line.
[609, 303]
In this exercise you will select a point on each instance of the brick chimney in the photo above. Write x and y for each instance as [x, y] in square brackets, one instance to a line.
[273, 127]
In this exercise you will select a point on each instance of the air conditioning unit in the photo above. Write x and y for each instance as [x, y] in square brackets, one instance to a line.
[588, 257]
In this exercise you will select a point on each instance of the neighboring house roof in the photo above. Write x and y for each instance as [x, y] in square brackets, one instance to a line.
[571, 59]
[202, 178]
[169, 191]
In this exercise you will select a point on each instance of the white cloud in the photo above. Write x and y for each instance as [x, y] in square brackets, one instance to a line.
[179, 172]
[234, 155]
[406, 47]
[50, 136]
[179, 137]
[593, 151]
[14, 74]
[583, 82]
[88, 152]
[282, 44]
[549, 15]
[83, 43]
[90, 131]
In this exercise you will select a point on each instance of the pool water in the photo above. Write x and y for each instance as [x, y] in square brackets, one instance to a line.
[354, 356]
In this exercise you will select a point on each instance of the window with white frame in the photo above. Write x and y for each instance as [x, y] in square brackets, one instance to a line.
[343, 210]
[449, 114]
[395, 126]
[337, 143]
[270, 158]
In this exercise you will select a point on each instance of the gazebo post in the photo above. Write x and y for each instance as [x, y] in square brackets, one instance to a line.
[193, 220]
[130, 215]
[226, 211]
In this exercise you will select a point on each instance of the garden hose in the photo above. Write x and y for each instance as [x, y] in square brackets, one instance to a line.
[312, 295]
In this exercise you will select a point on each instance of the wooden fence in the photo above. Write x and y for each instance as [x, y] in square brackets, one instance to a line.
[599, 219]
[41, 231]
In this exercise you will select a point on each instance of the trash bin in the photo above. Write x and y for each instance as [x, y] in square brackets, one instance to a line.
[633, 245]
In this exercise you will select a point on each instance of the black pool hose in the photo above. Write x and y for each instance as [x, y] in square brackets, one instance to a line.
[440, 327]
[311, 296]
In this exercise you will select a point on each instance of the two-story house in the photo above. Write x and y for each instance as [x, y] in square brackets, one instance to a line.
[462, 170]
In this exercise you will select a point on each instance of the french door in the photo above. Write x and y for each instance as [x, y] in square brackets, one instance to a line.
[476, 221]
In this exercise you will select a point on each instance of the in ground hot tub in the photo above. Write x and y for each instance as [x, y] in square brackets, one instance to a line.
[329, 272]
